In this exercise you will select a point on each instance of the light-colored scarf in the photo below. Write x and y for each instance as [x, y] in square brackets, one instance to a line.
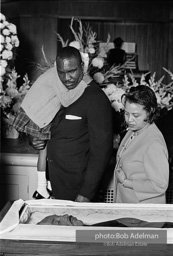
[46, 96]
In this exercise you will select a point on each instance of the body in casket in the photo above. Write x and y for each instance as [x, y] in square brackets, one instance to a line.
[21, 220]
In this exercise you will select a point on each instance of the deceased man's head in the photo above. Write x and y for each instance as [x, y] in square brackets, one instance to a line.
[64, 220]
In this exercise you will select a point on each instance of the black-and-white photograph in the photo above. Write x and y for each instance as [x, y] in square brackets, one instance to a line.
[86, 100]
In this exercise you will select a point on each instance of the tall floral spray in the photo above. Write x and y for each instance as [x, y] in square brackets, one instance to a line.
[8, 42]
[93, 56]
[11, 95]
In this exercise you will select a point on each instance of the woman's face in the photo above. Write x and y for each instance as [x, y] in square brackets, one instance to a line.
[70, 72]
[136, 116]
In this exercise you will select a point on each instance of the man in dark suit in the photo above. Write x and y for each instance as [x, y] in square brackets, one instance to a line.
[81, 136]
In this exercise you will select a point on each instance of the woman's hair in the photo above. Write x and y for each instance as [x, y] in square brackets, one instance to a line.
[145, 96]
[69, 52]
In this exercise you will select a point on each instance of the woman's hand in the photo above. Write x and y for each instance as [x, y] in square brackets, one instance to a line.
[120, 175]
[36, 143]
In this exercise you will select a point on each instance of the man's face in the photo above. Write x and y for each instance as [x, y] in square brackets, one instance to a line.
[64, 220]
[70, 72]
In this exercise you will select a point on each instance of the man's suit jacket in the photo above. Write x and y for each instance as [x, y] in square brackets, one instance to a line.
[81, 145]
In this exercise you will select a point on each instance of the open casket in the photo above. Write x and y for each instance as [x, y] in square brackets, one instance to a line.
[20, 222]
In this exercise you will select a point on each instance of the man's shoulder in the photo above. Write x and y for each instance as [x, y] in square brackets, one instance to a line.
[95, 93]
[93, 88]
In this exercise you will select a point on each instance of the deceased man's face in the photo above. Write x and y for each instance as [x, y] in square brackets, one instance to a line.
[64, 220]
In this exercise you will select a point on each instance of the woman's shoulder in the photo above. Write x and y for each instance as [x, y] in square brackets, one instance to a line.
[153, 131]
[154, 135]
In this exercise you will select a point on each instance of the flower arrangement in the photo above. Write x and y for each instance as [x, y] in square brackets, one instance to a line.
[114, 94]
[10, 101]
[94, 57]
[8, 42]
[106, 76]
[11, 95]
[163, 92]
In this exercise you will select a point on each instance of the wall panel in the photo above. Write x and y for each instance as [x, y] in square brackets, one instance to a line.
[35, 33]
[111, 9]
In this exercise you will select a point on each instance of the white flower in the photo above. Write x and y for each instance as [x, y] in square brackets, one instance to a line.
[117, 105]
[98, 62]
[165, 100]
[5, 101]
[9, 47]
[117, 94]
[3, 63]
[7, 55]
[2, 39]
[1, 80]
[85, 59]
[1, 47]
[12, 92]
[12, 28]
[1, 25]
[2, 17]
[8, 39]
[2, 71]
[75, 44]
[15, 40]
[114, 94]
[98, 77]
[6, 23]
[110, 88]
[25, 87]
[17, 105]
[91, 50]
[6, 32]
[158, 97]
[169, 72]
[102, 53]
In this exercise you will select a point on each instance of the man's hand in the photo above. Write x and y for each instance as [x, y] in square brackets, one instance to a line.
[37, 143]
[80, 198]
